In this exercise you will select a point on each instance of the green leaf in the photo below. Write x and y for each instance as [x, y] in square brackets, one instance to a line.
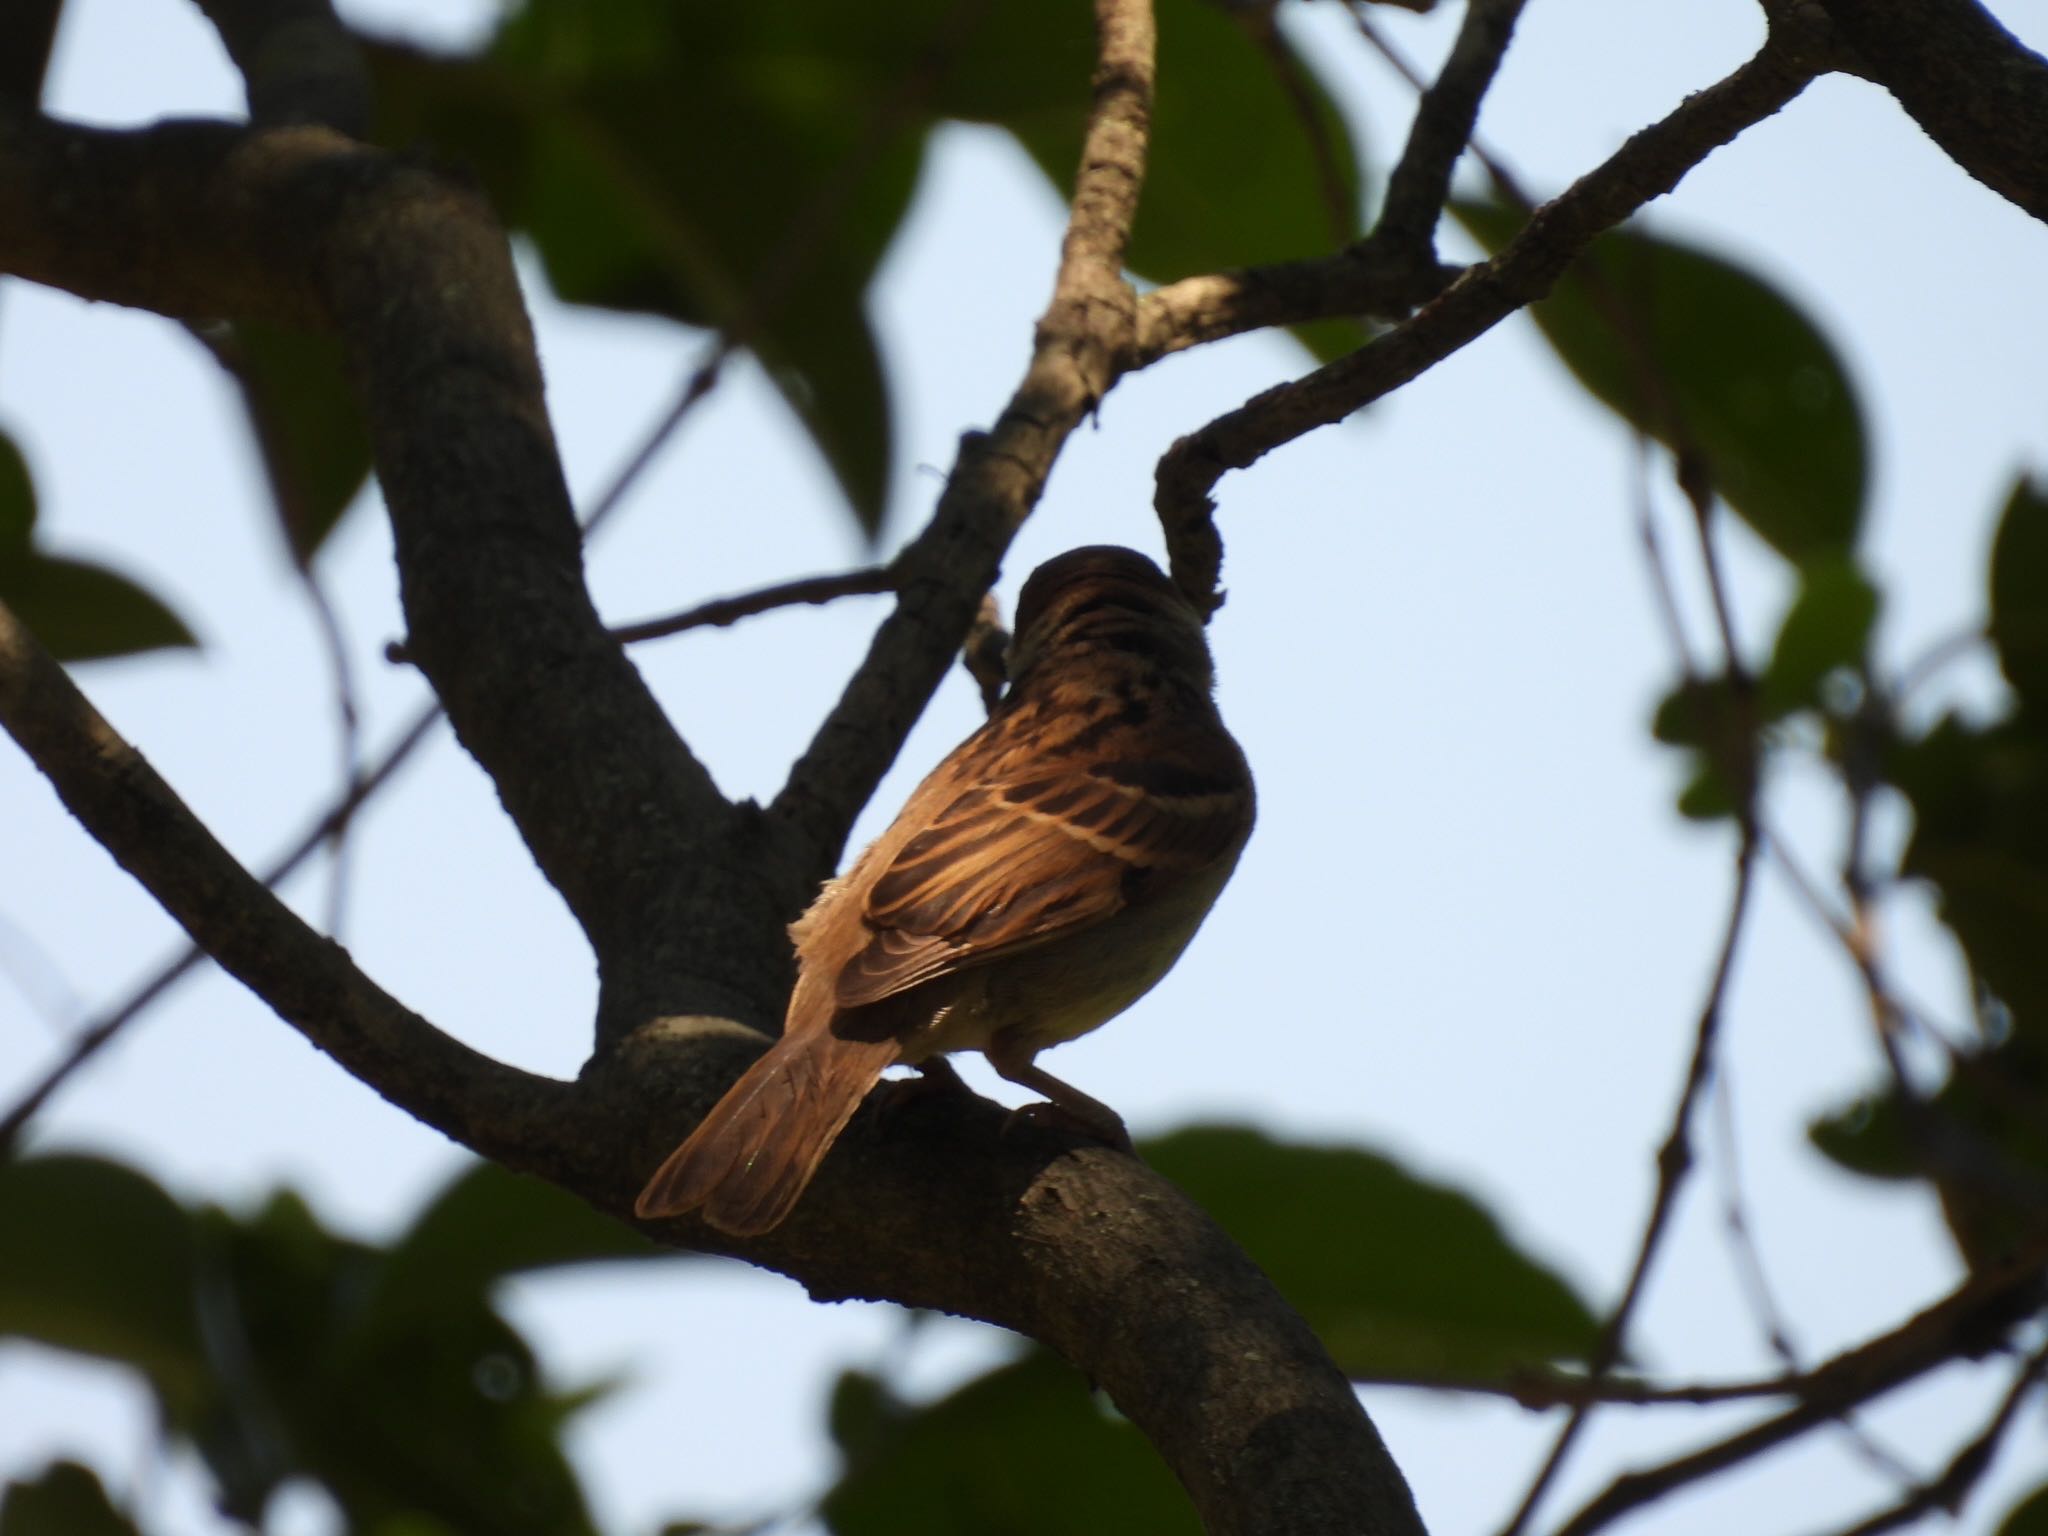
[1980, 807]
[435, 1411]
[1713, 717]
[1023, 1448]
[1826, 630]
[66, 1500]
[78, 610]
[1706, 795]
[308, 426]
[109, 1271]
[490, 1222]
[589, 127]
[1982, 1140]
[2029, 1517]
[1707, 357]
[1398, 1275]
[2019, 592]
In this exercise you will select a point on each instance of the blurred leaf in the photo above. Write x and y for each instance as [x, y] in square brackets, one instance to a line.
[589, 126]
[490, 1222]
[1399, 1276]
[78, 610]
[436, 1411]
[1698, 352]
[109, 1272]
[2019, 593]
[1980, 807]
[1706, 795]
[66, 1500]
[2029, 1517]
[1826, 629]
[1982, 1140]
[1021, 1449]
[308, 426]
[1714, 718]
[1868, 1136]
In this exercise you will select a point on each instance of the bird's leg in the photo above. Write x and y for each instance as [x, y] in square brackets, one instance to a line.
[1068, 1104]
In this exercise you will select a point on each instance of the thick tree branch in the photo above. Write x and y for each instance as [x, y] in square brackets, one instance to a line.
[309, 980]
[27, 28]
[1979, 92]
[300, 64]
[1078, 1246]
[95, 1036]
[953, 1208]
[297, 224]
[1370, 279]
[1648, 165]
[1084, 342]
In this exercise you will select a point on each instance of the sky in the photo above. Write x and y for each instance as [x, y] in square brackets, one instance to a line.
[1470, 930]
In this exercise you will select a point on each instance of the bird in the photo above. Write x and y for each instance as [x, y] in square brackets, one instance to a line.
[1041, 879]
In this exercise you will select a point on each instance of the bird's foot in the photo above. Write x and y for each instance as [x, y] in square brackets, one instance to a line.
[1110, 1131]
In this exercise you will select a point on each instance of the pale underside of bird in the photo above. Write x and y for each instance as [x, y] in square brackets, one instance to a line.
[1038, 882]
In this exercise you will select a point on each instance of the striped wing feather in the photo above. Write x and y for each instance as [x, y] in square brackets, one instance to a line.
[1009, 865]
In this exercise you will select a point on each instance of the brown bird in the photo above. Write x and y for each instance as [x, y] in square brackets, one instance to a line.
[1039, 881]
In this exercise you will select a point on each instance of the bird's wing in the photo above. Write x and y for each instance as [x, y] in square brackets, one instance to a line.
[1012, 861]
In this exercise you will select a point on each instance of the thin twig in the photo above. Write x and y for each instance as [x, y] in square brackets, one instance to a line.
[1974, 1318]
[35, 975]
[807, 233]
[1649, 164]
[1950, 648]
[1504, 182]
[1756, 1286]
[97, 1035]
[1659, 567]
[1421, 181]
[348, 730]
[1674, 1161]
[721, 611]
[309, 980]
[297, 517]
[1538, 1390]
[1085, 341]
[1949, 1491]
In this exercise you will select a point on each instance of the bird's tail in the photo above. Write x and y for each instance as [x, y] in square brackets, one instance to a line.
[754, 1154]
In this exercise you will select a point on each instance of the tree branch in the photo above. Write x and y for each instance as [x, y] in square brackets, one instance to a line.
[300, 64]
[1421, 181]
[683, 896]
[27, 28]
[1648, 165]
[310, 981]
[1966, 1467]
[1084, 342]
[955, 1208]
[1979, 92]
[1078, 1246]
[721, 611]
[1970, 1321]
[94, 1037]
[1674, 1161]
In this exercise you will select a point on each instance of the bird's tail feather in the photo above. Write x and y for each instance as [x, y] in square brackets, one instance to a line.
[754, 1154]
